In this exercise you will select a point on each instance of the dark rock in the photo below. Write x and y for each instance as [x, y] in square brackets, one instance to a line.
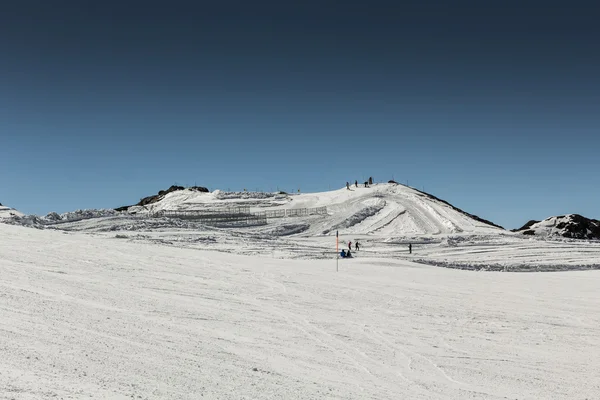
[199, 189]
[157, 197]
[573, 226]
[526, 226]
[392, 181]
[579, 227]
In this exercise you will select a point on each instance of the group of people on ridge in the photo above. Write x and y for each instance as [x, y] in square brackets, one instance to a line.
[367, 183]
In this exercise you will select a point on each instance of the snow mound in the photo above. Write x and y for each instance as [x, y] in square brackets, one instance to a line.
[8, 213]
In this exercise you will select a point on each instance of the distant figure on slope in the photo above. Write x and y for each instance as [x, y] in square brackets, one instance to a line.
[348, 255]
[356, 183]
[347, 186]
[356, 246]
[409, 248]
[370, 180]
[343, 253]
[366, 183]
[349, 245]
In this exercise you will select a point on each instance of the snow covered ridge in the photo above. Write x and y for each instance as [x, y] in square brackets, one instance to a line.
[161, 195]
[475, 217]
[78, 215]
[7, 212]
[572, 226]
[53, 218]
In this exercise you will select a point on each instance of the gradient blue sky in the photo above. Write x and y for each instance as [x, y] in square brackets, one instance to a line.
[492, 106]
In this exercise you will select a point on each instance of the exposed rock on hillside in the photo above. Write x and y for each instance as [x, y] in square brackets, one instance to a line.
[161, 194]
[572, 226]
[526, 226]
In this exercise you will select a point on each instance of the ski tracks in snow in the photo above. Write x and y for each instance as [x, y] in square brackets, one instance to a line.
[386, 369]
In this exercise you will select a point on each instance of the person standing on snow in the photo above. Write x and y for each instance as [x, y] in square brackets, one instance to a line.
[347, 186]
[356, 245]
[409, 248]
[350, 245]
[356, 183]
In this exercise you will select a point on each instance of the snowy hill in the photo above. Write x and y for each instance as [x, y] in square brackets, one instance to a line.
[381, 209]
[570, 226]
[7, 212]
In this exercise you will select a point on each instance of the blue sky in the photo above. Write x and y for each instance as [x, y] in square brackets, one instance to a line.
[494, 109]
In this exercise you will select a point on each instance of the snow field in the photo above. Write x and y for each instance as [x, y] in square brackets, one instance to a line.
[88, 316]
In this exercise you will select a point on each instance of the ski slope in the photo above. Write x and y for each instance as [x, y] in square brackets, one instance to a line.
[88, 316]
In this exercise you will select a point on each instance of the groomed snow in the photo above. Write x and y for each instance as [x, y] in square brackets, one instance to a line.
[100, 304]
[92, 316]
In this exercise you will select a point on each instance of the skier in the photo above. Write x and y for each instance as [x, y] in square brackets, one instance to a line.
[349, 246]
[410, 248]
[356, 245]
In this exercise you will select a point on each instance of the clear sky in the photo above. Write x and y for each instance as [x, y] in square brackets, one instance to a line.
[492, 106]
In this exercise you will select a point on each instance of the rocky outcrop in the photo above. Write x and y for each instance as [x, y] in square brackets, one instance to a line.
[528, 225]
[572, 226]
[161, 194]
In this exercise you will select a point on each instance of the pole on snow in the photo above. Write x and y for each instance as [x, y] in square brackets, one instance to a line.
[337, 253]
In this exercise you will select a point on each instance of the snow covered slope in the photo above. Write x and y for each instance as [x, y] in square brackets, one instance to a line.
[381, 209]
[95, 317]
[7, 212]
